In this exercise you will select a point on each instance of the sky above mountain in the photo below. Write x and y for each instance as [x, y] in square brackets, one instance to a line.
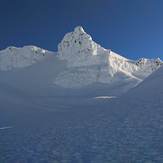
[131, 28]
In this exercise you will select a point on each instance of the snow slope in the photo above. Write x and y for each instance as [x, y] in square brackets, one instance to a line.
[91, 130]
[135, 122]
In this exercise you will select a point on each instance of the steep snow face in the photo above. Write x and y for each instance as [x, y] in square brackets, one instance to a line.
[150, 89]
[13, 57]
[88, 62]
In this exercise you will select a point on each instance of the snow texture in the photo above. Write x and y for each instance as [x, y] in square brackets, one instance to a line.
[73, 107]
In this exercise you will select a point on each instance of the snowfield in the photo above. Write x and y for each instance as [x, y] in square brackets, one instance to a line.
[82, 104]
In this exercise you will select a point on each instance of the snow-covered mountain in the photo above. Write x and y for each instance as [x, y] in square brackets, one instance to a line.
[66, 106]
[82, 63]
[88, 62]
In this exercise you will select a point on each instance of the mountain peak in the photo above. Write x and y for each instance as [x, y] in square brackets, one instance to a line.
[79, 49]
[79, 29]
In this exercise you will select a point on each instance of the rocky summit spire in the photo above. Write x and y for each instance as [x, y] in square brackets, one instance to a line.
[78, 48]
[79, 29]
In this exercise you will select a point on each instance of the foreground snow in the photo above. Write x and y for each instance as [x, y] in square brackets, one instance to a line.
[80, 129]
[105, 97]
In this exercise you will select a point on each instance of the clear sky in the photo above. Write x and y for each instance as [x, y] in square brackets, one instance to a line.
[133, 28]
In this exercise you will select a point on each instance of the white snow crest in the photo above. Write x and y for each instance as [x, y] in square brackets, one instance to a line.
[13, 57]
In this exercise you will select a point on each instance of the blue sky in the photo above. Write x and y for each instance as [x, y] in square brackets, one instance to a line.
[133, 28]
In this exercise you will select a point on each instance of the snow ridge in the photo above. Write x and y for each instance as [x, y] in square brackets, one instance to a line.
[13, 57]
[83, 62]
[89, 63]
